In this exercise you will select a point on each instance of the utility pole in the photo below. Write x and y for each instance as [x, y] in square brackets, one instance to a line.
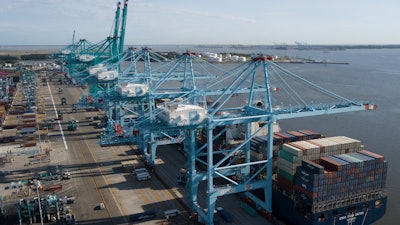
[40, 205]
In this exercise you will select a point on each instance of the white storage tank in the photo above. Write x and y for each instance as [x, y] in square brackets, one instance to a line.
[107, 75]
[182, 114]
[242, 59]
[132, 90]
[216, 59]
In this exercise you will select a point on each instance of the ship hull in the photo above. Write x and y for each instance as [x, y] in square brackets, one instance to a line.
[356, 214]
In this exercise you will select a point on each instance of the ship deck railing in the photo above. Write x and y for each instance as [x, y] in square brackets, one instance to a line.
[350, 200]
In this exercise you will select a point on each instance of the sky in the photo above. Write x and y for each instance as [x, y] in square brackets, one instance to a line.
[254, 22]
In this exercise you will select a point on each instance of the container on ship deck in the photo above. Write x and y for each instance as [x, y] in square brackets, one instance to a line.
[288, 156]
[309, 179]
[285, 184]
[277, 140]
[358, 164]
[353, 164]
[367, 159]
[307, 185]
[311, 134]
[308, 149]
[377, 157]
[312, 167]
[348, 143]
[292, 137]
[329, 147]
[287, 167]
[301, 190]
[298, 135]
[330, 164]
[346, 165]
[286, 175]
[285, 137]
[292, 150]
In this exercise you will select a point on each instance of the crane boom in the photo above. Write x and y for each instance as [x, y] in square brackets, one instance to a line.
[122, 35]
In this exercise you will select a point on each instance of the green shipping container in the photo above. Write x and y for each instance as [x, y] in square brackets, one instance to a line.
[285, 175]
[287, 156]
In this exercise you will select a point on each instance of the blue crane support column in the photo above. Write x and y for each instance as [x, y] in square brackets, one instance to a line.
[153, 149]
[190, 142]
[211, 197]
[247, 149]
[267, 204]
[268, 188]
[145, 137]
[269, 154]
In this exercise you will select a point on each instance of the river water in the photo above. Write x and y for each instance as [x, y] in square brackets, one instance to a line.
[371, 75]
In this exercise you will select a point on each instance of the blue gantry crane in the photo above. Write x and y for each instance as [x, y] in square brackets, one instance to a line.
[247, 100]
[143, 84]
[258, 92]
[99, 64]
[83, 54]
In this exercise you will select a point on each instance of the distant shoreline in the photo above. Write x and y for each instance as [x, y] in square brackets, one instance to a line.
[21, 52]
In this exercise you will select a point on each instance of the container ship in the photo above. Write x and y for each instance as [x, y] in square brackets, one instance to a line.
[326, 180]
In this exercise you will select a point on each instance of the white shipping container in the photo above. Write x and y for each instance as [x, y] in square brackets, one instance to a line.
[292, 150]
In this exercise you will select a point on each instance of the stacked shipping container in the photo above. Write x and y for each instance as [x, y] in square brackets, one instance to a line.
[292, 154]
[333, 169]
[259, 143]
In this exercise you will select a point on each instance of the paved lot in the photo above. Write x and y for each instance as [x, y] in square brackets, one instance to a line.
[97, 176]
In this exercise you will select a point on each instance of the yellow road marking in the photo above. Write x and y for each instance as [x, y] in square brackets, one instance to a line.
[121, 210]
[95, 183]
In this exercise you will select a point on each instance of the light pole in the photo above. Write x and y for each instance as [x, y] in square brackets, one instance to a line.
[40, 205]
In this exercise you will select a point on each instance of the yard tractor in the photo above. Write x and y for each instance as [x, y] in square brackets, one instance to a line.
[72, 125]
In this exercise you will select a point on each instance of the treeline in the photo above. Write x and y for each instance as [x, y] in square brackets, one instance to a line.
[14, 59]
[8, 59]
[34, 57]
